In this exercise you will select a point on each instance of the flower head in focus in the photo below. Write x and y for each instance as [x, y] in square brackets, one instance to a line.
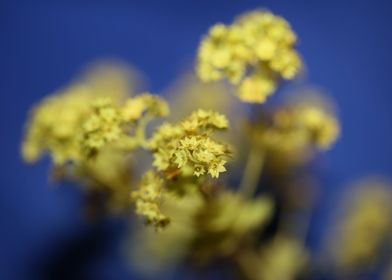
[189, 144]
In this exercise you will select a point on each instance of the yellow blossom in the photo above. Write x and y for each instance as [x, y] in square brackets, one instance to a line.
[216, 167]
[127, 123]
[323, 127]
[202, 119]
[198, 170]
[58, 126]
[258, 43]
[256, 89]
[189, 144]
[102, 127]
[55, 125]
[145, 103]
[148, 200]
[301, 126]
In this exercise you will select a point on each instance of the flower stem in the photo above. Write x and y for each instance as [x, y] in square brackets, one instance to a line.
[253, 170]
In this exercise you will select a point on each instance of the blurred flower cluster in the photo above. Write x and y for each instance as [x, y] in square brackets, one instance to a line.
[204, 178]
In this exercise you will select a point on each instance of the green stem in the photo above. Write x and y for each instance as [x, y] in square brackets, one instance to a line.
[140, 130]
[253, 170]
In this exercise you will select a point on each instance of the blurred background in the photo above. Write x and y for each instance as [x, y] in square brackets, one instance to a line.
[43, 44]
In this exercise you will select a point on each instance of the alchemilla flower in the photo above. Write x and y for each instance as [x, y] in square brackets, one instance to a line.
[189, 144]
[254, 54]
[148, 200]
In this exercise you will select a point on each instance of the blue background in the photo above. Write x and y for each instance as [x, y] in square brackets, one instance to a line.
[347, 46]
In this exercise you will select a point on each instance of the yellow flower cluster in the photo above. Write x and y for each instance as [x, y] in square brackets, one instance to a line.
[148, 200]
[188, 144]
[108, 122]
[300, 126]
[322, 126]
[144, 104]
[258, 43]
[55, 125]
[58, 125]
[103, 126]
